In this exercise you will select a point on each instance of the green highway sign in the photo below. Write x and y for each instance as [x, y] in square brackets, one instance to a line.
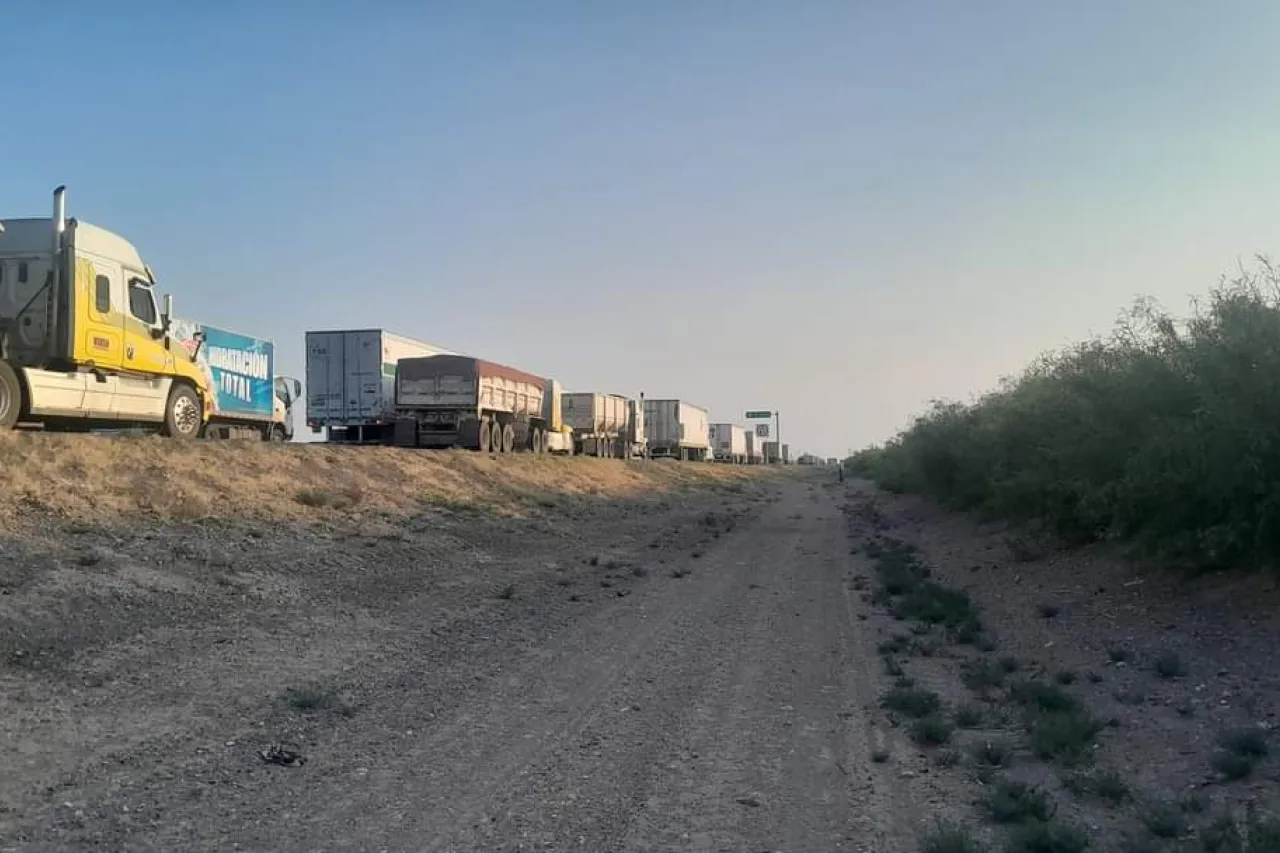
[759, 414]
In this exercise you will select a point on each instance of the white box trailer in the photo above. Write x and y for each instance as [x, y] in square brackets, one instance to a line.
[729, 443]
[351, 381]
[607, 425]
[676, 429]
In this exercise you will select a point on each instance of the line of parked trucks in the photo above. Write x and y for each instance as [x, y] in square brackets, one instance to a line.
[370, 386]
[85, 345]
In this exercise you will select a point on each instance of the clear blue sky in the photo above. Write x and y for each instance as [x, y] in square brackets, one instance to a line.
[837, 209]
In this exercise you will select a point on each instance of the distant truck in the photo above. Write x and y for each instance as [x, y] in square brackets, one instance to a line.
[350, 377]
[607, 425]
[460, 401]
[729, 443]
[83, 344]
[771, 456]
[677, 430]
[248, 399]
[755, 449]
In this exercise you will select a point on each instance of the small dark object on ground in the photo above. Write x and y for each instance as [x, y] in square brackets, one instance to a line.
[282, 755]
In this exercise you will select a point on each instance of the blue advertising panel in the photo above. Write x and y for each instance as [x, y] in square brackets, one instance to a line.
[240, 369]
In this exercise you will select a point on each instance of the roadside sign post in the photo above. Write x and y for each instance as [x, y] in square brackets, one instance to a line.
[765, 414]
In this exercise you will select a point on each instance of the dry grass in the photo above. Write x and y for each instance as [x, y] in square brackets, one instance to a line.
[99, 478]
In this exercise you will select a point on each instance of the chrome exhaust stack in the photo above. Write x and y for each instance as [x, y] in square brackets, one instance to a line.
[59, 217]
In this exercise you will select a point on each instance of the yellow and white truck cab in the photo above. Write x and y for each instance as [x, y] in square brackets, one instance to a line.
[82, 341]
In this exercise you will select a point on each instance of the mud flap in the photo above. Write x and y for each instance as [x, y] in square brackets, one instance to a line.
[406, 432]
[469, 434]
[522, 431]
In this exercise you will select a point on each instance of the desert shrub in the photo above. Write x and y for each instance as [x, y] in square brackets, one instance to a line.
[1158, 434]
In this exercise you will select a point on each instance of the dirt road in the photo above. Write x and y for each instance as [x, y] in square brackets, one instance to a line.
[675, 680]
[686, 662]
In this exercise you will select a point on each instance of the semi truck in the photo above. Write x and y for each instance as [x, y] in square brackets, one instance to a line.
[677, 430]
[351, 377]
[460, 401]
[606, 425]
[729, 443]
[83, 344]
[248, 399]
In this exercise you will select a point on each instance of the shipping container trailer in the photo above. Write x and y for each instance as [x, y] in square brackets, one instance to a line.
[786, 454]
[350, 376]
[676, 429]
[607, 425]
[460, 401]
[247, 398]
[771, 452]
[729, 443]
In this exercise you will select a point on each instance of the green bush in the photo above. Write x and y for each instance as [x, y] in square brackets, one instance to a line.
[1160, 434]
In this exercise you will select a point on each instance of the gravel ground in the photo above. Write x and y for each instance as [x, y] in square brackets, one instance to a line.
[704, 668]
[1172, 669]
[682, 671]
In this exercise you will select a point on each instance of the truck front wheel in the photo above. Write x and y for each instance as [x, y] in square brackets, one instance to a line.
[275, 433]
[182, 413]
[10, 397]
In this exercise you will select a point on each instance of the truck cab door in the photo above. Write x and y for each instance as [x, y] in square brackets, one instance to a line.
[101, 313]
[288, 391]
[100, 334]
[147, 362]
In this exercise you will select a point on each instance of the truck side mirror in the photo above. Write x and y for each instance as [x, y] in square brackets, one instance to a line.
[297, 389]
[166, 318]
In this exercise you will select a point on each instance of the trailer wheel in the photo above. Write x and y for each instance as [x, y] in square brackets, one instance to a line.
[495, 438]
[182, 417]
[539, 442]
[276, 433]
[484, 435]
[508, 439]
[10, 397]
